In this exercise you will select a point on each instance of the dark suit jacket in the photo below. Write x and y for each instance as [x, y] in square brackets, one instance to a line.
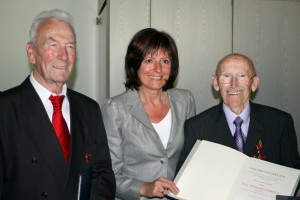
[273, 127]
[32, 165]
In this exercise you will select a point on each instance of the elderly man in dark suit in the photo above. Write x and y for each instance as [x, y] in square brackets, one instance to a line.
[256, 130]
[38, 160]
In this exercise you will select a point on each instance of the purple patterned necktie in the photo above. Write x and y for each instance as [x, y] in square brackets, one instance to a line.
[238, 135]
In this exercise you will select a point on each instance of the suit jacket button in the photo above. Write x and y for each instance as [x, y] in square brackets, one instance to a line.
[34, 161]
[162, 161]
[44, 195]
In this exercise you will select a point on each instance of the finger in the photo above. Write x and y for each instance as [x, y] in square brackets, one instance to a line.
[160, 193]
[170, 187]
[164, 185]
[166, 192]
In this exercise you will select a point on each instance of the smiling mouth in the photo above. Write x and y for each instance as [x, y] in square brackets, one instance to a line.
[234, 92]
[155, 77]
[60, 67]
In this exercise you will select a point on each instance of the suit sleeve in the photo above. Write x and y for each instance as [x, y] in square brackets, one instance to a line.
[191, 105]
[1, 165]
[189, 141]
[289, 149]
[189, 135]
[128, 187]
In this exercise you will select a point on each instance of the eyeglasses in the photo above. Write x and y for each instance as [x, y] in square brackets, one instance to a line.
[241, 78]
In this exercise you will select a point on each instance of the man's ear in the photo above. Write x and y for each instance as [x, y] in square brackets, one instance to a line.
[215, 83]
[30, 52]
[255, 83]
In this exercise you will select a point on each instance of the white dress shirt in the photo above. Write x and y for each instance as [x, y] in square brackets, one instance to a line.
[44, 95]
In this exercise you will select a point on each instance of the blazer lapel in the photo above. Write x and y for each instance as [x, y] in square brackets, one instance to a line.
[222, 134]
[40, 130]
[137, 110]
[79, 138]
[176, 109]
[254, 132]
[79, 132]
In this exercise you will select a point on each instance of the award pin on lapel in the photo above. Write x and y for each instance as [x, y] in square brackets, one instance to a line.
[259, 151]
[87, 157]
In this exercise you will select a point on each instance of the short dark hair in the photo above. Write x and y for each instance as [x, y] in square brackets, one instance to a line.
[147, 41]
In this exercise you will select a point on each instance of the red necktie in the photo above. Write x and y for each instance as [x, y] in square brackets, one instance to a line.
[60, 125]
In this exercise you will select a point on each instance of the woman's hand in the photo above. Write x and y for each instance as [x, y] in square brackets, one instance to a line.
[158, 188]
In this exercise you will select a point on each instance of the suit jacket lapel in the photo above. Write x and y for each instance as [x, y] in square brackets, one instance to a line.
[222, 134]
[137, 110]
[176, 109]
[79, 138]
[254, 131]
[40, 130]
[79, 132]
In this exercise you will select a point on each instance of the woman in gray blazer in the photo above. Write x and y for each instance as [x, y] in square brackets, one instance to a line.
[144, 125]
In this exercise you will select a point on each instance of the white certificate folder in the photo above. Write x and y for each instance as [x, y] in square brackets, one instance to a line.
[213, 171]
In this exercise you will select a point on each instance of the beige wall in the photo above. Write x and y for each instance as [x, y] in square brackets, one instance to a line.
[15, 21]
[266, 30]
[269, 32]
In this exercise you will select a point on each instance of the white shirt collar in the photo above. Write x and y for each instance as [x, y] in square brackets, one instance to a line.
[230, 116]
[44, 93]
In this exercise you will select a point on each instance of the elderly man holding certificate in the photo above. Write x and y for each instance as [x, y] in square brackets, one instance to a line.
[255, 130]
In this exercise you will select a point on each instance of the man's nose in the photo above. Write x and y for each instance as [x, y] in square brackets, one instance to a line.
[234, 80]
[63, 54]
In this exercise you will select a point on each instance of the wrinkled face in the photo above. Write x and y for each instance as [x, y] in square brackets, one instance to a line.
[155, 70]
[236, 93]
[54, 54]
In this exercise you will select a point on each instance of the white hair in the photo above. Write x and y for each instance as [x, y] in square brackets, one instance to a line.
[55, 14]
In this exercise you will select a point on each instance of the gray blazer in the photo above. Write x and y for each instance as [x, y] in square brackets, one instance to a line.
[137, 152]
